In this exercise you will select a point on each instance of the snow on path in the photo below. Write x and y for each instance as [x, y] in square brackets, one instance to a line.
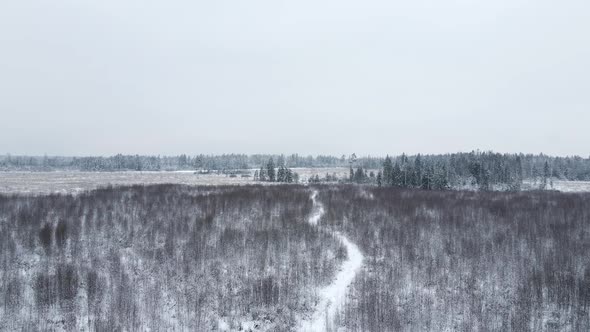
[332, 297]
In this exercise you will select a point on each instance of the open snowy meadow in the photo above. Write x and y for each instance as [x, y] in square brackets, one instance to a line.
[76, 182]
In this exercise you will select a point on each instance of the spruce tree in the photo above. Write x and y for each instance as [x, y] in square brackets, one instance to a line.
[262, 174]
[359, 176]
[281, 174]
[546, 175]
[427, 179]
[519, 176]
[396, 176]
[387, 171]
[404, 167]
[418, 171]
[281, 161]
[270, 170]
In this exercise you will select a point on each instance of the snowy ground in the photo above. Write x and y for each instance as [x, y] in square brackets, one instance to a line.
[572, 186]
[332, 297]
[74, 182]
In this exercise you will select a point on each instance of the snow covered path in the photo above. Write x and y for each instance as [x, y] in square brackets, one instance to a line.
[332, 297]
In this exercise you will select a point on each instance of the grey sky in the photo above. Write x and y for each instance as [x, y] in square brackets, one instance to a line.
[338, 76]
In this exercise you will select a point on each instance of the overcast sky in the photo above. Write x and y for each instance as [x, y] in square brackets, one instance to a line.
[314, 77]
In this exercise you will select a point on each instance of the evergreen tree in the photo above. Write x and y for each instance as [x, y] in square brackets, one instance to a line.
[441, 181]
[182, 161]
[359, 175]
[418, 171]
[427, 179]
[379, 179]
[281, 161]
[518, 176]
[404, 168]
[270, 170]
[281, 174]
[396, 176]
[535, 173]
[387, 171]
[262, 174]
[546, 175]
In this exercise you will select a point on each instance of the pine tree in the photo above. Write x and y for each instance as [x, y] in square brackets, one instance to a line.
[379, 179]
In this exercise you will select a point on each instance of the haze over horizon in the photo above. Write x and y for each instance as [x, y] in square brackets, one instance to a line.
[375, 77]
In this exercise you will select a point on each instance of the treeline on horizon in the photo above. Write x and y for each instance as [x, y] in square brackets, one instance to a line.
[483, 171]
[486, 167]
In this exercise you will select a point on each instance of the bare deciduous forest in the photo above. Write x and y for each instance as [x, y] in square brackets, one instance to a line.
[161, 258]
[166, 257]
[466, 261]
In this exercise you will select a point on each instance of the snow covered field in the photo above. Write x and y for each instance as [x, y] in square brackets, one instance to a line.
[74, 182]
[572, 186]
[559, 185]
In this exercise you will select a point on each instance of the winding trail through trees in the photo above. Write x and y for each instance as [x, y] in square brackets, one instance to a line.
[333, 296]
